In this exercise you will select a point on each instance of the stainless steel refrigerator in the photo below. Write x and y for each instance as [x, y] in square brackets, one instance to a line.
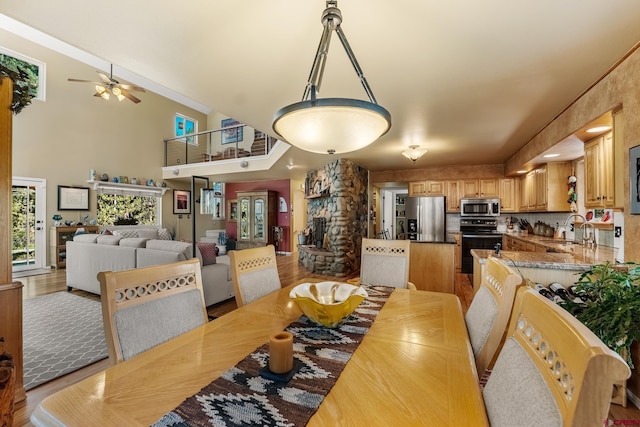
[426, 218]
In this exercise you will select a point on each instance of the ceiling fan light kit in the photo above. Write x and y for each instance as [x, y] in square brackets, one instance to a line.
[110, 86]
[331, 125]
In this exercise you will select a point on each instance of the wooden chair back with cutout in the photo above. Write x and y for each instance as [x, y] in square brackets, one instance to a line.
[144, 307]
[254, 272]
[489, 313]
[551, 368]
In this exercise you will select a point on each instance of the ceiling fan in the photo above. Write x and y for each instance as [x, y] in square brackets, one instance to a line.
[110, 86]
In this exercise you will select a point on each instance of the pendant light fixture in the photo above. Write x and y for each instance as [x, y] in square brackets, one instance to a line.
[414, 153]
[331, 125]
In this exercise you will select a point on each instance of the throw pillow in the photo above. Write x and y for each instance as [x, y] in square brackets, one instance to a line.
[148, 233]
[109, 240]
[134, 242]
[208, 252]
[125, 233]
[163, 234]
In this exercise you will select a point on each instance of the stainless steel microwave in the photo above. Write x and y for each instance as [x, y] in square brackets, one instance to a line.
[480, 207]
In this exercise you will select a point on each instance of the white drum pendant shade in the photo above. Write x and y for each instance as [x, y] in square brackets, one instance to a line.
[332, 125]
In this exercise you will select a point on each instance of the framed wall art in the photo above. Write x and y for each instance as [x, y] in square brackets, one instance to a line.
[232, 208]
[182, 202]
[634, 178]
[73, 198]
[230, 136]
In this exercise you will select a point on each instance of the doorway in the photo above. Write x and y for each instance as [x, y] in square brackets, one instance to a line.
[28, 232]
[393, 213]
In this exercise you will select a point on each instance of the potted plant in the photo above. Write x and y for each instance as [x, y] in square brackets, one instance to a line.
[611, 307]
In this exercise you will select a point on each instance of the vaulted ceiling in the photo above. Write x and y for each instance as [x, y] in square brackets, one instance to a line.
[470, 81]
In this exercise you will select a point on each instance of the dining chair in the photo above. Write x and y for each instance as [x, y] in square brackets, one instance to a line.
[384, 262]
[144, 307]
[254, 272]
[552, 370]
[488, 315]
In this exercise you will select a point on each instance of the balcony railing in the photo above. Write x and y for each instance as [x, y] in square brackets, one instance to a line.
[219, 144]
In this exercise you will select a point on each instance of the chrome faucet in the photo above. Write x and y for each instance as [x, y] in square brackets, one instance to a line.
[588, 230]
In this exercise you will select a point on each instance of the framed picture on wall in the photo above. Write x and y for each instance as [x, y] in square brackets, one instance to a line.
[182, 202]
[634, 178]
[232, 208]
[231, 136]
[73, 198]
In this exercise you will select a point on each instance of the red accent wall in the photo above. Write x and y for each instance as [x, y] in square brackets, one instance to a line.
[283, 188]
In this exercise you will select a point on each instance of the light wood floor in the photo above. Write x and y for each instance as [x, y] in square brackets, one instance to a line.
[289, 272]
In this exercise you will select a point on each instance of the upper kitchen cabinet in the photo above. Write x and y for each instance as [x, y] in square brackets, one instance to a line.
[453, 195]
[427, 188]
[485, 187]
[599, 186]
[507, 194]
[545, 188]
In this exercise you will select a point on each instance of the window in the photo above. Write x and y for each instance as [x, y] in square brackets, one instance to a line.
[116, 209]
[185, 126]
[35, 69]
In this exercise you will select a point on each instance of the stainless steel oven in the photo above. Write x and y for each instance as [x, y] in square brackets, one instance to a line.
[480, 207]
[477, 233]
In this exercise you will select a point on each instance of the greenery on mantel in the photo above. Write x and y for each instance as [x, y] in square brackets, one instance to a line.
[612, 306]
[22, 94]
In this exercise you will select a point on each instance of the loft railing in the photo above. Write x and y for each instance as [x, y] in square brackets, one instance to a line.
[230, 142]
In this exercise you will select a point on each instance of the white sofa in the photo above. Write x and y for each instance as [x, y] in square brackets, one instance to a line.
[89, 254]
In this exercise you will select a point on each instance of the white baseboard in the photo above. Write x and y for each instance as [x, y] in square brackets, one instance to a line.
[633, 398]
[282, 253]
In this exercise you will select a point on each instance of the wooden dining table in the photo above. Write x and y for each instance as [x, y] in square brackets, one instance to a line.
[414, 367]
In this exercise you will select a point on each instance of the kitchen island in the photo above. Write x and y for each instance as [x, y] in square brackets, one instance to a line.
[538, 267]
[581, 254]
[432, 265]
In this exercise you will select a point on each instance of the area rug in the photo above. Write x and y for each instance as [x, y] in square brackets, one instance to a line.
[62, 333]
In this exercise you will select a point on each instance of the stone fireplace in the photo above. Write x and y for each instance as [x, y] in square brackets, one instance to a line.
[336, 202]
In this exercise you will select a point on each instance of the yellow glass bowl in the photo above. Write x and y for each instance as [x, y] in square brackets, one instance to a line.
[328, 303]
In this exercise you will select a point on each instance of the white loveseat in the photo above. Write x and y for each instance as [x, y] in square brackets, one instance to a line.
[89, 254]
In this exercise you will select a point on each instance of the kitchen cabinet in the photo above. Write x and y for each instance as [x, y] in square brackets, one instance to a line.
[58, 238]
[507, 194]
[453, 195]
[418, 188]
[427, 188]
[257, 214]
[431, 266]
[458, 252]
[545, 188]
[599, 187]
[485, 187]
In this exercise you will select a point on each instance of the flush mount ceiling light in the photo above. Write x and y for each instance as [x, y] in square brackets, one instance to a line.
[414, 153]
[551, 155]
[331, 125]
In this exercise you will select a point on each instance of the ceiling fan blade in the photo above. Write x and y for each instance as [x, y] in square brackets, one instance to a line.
[106, 79]
[129, 96]
[84, 81]
[131, 87]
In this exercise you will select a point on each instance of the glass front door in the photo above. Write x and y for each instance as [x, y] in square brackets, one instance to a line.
[28, 247]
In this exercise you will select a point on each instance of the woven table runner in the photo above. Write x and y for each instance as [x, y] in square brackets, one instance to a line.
[241, 397]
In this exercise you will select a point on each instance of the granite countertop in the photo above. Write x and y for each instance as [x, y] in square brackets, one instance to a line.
[552, 261]
[582, 254]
